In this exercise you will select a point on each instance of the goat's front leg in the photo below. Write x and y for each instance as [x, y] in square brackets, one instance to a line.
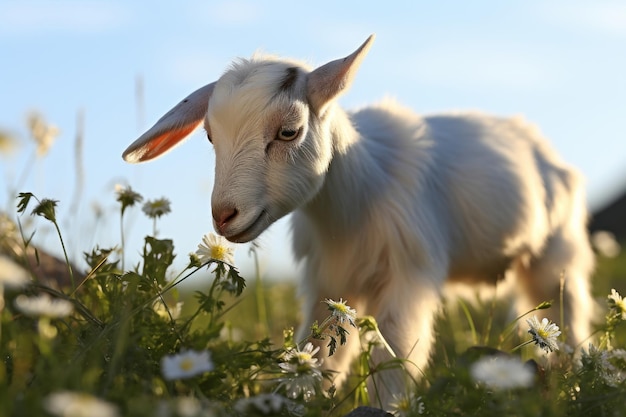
[405, 319]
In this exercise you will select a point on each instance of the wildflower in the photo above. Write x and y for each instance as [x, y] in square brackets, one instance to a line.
[42, 133]
[11, 276]
[268, 404]
[405, 405]
[302, 384]
[46, 209]
[194, 260]
[296, 360]
[544, 334]
[188, 406]
[617, 304]
[76, 404]
[186, 364]
[167, 312]
[43, 306]
[617, 358]
[8, 143]
[606, 244]
[608, 365]
[127, 197]
[156, 208]
[501, 373]
[216, 248]
[184, 406]
[341, 311]
[303, 372]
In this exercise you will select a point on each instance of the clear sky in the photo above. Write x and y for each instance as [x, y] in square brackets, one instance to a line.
[561, 64]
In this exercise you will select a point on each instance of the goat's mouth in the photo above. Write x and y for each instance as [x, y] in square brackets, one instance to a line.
[252, 231]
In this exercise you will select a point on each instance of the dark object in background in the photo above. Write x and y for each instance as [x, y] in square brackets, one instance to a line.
[43, 266]
[611, 218]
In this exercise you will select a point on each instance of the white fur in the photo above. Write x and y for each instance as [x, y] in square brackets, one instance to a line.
[388, 205]
[418, 201]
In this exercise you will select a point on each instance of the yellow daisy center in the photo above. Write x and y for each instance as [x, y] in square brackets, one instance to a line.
[186, 364]
[341, 308]
[404, 404]
[218, 252]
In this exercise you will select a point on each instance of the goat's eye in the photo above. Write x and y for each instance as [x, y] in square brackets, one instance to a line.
[288, 134]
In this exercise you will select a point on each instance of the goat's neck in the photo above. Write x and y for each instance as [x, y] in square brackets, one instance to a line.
[354, 176]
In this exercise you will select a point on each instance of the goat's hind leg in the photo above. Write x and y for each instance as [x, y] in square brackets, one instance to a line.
[569, 258]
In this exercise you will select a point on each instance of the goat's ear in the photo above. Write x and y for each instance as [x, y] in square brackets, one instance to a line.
[330, 80]
[172, 128]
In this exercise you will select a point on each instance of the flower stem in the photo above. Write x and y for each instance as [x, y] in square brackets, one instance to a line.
[259, 292]
[122, 237]
[561, 295]
[521, 345]
[511, 326]
[67, 260]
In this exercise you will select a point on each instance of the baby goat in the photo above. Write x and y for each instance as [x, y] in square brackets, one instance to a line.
[387, 205]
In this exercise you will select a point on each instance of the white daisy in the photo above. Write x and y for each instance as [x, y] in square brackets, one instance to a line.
[617, 304]
[303, 374]
[406, 405]
[156, 208]
[127, 196]
[186, 364]
[302, 384]
[43, 306]
[11, 275]
[502, 373]
[296, 360]
[544, 334]
[215, 247]
[77, 404]
[341, 311]
[268, 404]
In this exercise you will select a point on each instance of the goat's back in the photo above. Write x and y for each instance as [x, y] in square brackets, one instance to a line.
[493, 185]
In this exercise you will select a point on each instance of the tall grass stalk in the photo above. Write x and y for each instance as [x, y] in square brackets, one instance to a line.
[122, 245]
[67, 259]
[259, 292]
[470, 321]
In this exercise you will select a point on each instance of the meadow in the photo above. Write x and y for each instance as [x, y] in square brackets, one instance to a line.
[135, 340]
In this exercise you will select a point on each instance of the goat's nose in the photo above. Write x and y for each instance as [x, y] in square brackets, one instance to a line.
[223, 216]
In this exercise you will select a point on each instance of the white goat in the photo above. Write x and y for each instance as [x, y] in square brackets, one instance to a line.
[387, 205]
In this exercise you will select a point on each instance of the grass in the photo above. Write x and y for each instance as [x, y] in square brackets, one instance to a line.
[108, 353]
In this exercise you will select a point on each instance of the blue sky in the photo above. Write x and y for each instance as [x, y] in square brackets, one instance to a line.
[561, 64]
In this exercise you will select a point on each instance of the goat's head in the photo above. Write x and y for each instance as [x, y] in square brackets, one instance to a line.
[268, 120]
